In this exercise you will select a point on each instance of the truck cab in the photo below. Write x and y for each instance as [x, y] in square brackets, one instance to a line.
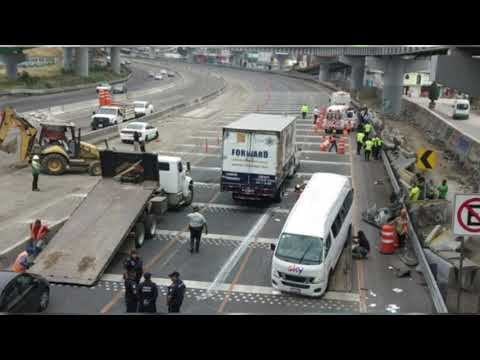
[106, 116]
[175, 181]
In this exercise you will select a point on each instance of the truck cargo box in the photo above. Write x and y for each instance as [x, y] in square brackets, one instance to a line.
[258, 150]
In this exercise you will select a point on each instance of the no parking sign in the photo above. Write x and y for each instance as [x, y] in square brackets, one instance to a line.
[466, 217]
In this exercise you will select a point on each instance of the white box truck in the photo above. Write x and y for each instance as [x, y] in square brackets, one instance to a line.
[259, 153]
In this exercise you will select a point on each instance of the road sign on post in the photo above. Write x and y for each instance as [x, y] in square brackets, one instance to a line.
[426, 159]
[466, 215]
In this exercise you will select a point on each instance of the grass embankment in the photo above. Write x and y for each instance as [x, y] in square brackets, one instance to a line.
[53, 76]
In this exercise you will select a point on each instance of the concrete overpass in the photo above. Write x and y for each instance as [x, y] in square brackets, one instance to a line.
[74, 58]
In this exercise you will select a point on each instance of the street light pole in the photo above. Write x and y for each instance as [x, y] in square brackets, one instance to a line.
[460, 274]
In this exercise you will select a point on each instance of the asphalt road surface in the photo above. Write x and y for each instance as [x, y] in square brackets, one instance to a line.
[231, 274]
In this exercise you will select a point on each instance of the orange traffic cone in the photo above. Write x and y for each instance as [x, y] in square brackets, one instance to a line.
[387, 242]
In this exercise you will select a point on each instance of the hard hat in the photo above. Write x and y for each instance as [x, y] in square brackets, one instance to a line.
[36, 157]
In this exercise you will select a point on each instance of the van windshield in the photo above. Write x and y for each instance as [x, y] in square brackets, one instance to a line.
[462, 106]
[107, 111]
[300, 249]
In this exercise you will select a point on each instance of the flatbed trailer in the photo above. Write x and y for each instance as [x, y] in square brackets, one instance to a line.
[112, 212]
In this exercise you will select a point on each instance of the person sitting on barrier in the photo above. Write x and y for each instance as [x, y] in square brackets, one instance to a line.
[401, 226]
[361, 248]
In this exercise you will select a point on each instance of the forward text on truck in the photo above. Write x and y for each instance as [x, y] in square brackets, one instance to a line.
[259, 154]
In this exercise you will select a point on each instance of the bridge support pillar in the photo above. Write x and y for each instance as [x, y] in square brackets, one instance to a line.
[81, 66]
[115, 59]
[282, 59]
[11, 63]
[394, 69]
[324, 72]
[67, 59]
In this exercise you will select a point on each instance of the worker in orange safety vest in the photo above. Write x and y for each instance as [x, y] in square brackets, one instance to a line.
[23, 260]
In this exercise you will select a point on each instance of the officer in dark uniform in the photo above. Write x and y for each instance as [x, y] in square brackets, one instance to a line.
[147, 295]
[131, 292]
[175, 294]
[135, 264]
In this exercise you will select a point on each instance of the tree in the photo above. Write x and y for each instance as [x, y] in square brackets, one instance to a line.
[433, 94]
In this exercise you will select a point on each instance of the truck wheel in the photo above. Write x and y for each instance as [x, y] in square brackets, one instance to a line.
[150, 226]
[139, 235]
[189, 198]
[54, 164]
[95, 169]
[156, 135]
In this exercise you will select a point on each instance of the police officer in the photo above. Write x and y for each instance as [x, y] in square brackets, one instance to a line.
[360, 138]
[134, 264]
[147, 295]
[175, 294]
[368, 149]
[131, 292]
[379, 146]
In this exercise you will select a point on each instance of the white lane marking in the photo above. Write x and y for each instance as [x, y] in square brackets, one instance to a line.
[205, 137]
[238, 207]
[207, 168]
[248, 289]
[306, 174]
[202, 145]
[216, 236]
[312, 143]
[206, 184]
[344, 163]
[237, 254]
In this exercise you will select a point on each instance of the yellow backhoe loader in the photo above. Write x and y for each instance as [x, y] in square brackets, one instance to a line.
[58, 152]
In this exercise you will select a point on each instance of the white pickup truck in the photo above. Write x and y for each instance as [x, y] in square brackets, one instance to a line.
[112, 115]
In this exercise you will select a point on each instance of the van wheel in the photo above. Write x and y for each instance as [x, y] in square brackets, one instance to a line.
[139, 235]
[349, 237]
[150, 226]
[44, 301]
[279, 195]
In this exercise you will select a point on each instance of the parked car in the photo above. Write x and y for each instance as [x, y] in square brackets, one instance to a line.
[120, 88]
[147, 132]
[158, 77]
[151, 74]
[164, 72]
[127, 62]
[23, 292]
[171, 74]
[142, 108]
[104, 86]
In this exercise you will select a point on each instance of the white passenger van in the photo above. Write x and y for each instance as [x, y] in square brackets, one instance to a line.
[313, 236]
[340, 98]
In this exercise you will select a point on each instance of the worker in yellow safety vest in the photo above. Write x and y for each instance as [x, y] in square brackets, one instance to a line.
[304, 111]
[414, 193]
[360, 137]
[368, 128]
[368, 149]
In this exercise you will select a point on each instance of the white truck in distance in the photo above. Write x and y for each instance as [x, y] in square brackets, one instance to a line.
[259, 153]
[175, 182]
[142, 108]
[112, 115]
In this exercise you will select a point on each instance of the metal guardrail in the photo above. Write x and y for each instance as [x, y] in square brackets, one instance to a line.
[435, 293]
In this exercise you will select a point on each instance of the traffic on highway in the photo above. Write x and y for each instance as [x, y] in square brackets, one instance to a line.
[200, 186]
